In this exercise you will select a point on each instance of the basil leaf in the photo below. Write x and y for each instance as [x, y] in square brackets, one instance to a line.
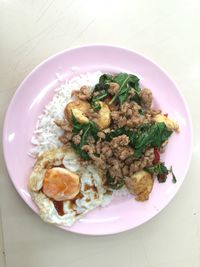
[94, 130]
[134, 83]
[150, 135]
[105, 78]
[120, 131]
[126, 82]
[146, 135]
[123, 96]
[104, 81]
[161, 134]
[96, 106]
[174, 180]
[114, 185]
[100, 96]
[160, 170]
[95, 100]
[88, 129]
[136, 98]
[121, 77]
[84, 155]
[102, 89]
[85, 135]
[122, 80]
[142, 112]
[77, 127]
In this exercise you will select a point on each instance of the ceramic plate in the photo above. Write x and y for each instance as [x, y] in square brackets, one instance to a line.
[37, 90]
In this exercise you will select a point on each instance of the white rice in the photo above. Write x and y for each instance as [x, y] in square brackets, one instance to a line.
[46, 132]
[121, 192]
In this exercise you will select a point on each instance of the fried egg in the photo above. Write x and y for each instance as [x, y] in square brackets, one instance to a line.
[63, 189]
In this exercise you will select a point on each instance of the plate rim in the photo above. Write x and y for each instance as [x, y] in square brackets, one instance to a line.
[98, 45]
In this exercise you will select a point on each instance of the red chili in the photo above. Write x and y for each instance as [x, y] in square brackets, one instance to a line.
[166, 114]
[161, 178]
[108, 99]
[156, 156]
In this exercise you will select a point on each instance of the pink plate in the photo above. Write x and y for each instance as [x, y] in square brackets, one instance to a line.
[36, 91]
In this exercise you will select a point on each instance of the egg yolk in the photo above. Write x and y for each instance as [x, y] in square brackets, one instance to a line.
[61, 184]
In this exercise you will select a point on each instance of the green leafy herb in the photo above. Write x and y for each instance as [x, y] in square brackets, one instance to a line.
[114, 184]
[126, 82]
[105, 78]
[160, 133]
[160, 170]
[152, 135]
[87, 129]
[173, 176]
[104, 82]
[100, 96]
[96, 106]
[142, 112]
[146, 135]
[102, 89]
[84, 155]
[119, 131]
[137, 89]
[136, 98]
[95, 100]
[77, 127]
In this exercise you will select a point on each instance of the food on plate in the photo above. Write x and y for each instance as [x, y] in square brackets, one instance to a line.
[103, 120]
[61, 184]
[78, 108]
[63, 189]
[81, 110]
[104, 139]
[140, 184]
[171, 125]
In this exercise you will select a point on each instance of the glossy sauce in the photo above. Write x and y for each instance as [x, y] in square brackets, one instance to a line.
[87, 187]
[59, 207]
[57, 204]
[61, 166]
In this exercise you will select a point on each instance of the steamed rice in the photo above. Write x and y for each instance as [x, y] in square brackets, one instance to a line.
[47, 132]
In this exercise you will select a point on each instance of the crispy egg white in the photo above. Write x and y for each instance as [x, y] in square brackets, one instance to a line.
[92, 193]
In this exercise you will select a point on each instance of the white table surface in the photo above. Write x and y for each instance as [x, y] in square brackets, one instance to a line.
[166, 31]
